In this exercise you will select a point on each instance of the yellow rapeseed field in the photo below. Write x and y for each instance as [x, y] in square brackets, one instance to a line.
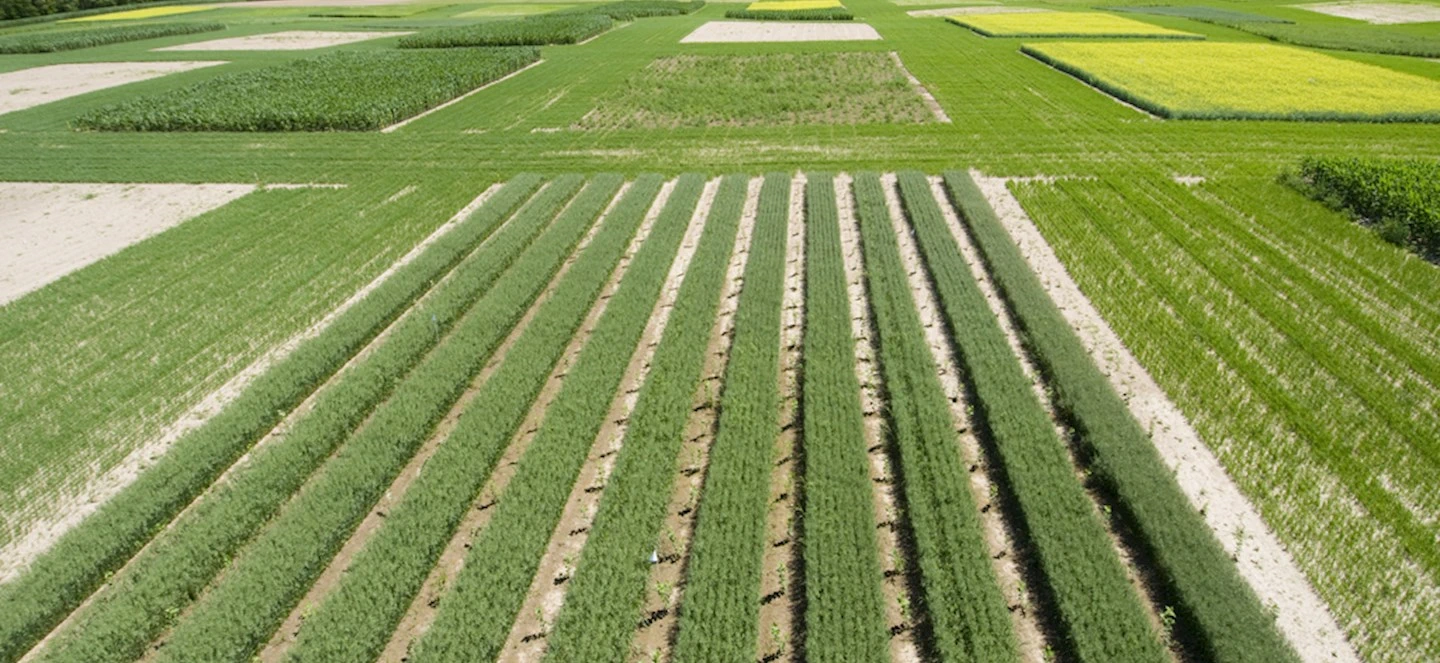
[1065, 24]
[1229, 80]
[792, 5]
[137, 14]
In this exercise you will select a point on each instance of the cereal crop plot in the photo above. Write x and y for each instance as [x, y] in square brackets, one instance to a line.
[1379, 13]
[531, 31]
[294, 40]
[1066, 24]
[48, 42]
[726, 32]
[1221, 81]
[41, 85]
[338, 92]
[762, 90]
[141, 14]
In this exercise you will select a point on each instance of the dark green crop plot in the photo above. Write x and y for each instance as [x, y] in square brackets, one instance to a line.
[1401, 199]
[1360, 38]
[530, 31]
[48, 42]
[629, 10]
[351, 91]
[1200, 13]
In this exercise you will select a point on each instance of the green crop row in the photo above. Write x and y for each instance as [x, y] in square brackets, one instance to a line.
[479, 609]
[166, 577]
[49, 42]
[720, 619]
[348, 91]
[824, 14]
[1400, 198]
[1101, 615]
[1199, 13]
[597, 622]
[844, 609]
[357, 619]
[529, 31]
[1360, 38]
[80, 561]
[629, 10]
[1217, 611]
[967, 616]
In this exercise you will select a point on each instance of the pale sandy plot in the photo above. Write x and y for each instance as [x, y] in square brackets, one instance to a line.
[49, 230]
[774, 31]
[41, 85]
[971, 11]
[1379, 13]
[293, 40]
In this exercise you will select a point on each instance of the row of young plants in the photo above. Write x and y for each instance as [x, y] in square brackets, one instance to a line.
[356, 621]
[966, 613]
[1101, 617]
[540, 30]
[844, 608]
[239, 612]
[80, 561]
[720, 618]
[597, 621]
[166, 577]
[477, 613]
[1217, 613]
[824, 14]
[69, 40]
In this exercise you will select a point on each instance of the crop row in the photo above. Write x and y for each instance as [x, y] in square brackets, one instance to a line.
[721, 609]
[598, 619]
[967, 614]
[357, 619]
[844, 609]
[629, 10]
[49, 42]
[529, 31]
[1215, 608]
[1401, 198]
[80, 561]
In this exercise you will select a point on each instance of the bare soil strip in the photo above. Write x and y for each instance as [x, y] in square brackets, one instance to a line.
[65, 512]
[921, 90]
[290, 40]
[887, 515]
[995, 517]
[1378, 13]
[41, 85]
[392, 128]
[1301, 615]
[721, 32]
[659, 620]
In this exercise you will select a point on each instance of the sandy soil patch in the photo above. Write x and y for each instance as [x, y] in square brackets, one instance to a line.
[717, 32]
[49, 230]
[970, 11]
[293, 40]
[41, 85]
[1378, 13]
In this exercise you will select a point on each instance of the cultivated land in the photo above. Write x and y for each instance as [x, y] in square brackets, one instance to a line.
[708, 340]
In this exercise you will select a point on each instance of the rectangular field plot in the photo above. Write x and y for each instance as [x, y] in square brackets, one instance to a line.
[1245, 81]
[294, 40]
[138, 14]
[508, 11]
[337, 92]
[41, 85]
[1065, 24]
[1379, 13]
[49, 230]
[792, 5]
[762, 90]
[746, 32]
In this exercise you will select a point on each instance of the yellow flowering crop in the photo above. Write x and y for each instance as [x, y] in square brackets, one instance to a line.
[1065, 24]
[792, 5]
[137, 14]
[1233, 80]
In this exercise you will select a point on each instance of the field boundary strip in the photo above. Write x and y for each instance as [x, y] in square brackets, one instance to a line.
[402, 123]
[920, 89]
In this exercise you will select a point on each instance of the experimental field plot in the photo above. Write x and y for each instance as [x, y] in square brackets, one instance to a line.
[41, 85]
[139, 14]
[291, 40]
[1379, 13]
[722, 32]
[1065, 24]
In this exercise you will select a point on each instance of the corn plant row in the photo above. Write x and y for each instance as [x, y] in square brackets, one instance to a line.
[967, 616]
[1401, 198]
[597, 622]
[50, 42]
[356, 621]
[844, 608]
[477, 613]
[629, 10]
[1101, 618]
[721, 610]
[81, 560]
[530, 31]
[1218, 611]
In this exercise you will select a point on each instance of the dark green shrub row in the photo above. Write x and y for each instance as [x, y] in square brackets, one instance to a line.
[826, 14]
[629, 10]
[1217, 611]
[349, 91]
[80, 561]
[1101, 617]
[41, 10]
[720, 619]
[1362, 38]
[597, 622]
[966, 614]
[1198, 13]
[844, 609]
[529, 31]
[1399, 198]
[49, 42]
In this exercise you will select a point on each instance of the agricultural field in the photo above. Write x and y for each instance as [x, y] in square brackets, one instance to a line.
[665, 330]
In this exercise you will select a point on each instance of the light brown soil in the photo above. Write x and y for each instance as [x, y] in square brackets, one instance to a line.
[291, 40]
[718, 32]
[1378, 13]
[41, 85]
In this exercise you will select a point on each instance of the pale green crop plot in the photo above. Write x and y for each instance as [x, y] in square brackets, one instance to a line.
[1218, 81]
[1065, 24]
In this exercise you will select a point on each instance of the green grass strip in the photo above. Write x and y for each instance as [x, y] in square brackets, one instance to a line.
[844, 609]
[1101, 615]
[355, 622]
[967, 614]
[50, 42]
[1218, 611]
[720, 619]
[84, 558]
[597, 622]
[529, 31]
[476, 615]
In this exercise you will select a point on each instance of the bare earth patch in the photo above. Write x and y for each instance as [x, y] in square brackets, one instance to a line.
[1378, 13]
[725, 32]
[41, 85]
[970, 11]
[292, 40]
